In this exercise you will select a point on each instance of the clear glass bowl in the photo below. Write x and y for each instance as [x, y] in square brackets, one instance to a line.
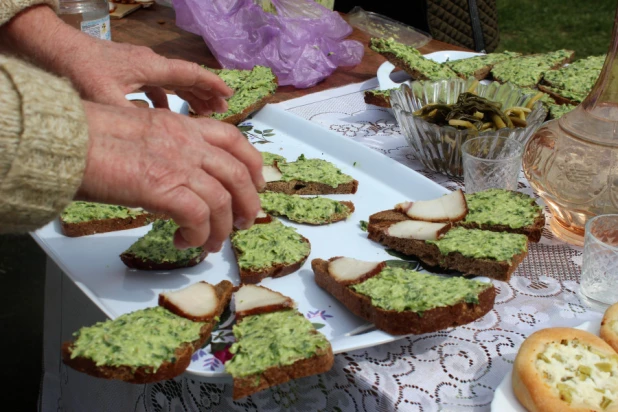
[439, 147]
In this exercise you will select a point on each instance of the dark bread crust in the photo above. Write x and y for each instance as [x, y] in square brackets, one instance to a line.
[275, 271]
[554, 67]
[402, 64]
[407, 322]
[135, 262]
[377, 99]
[559, 99]
[92, 227]
[144, 374]
[276, 375]
[296, 187]
[430, 255]
[333, 218]
[533, 232]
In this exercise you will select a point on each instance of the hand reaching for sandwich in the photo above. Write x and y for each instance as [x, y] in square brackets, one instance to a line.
[105, 71]
[201, 172]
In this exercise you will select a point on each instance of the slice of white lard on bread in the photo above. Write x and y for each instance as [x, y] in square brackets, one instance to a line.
[348, 271]
[418, 229]
[449, 208]
[197, 302]
[271, 173]
[254, 300]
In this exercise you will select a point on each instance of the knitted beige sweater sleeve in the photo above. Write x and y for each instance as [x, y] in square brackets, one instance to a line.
[10, 8]
[43, 145]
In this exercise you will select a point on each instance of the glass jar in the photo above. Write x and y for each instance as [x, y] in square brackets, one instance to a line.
[572, 162]
[89, 16]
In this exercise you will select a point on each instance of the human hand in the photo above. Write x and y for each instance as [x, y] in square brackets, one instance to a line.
[105, 71]
[203, 173]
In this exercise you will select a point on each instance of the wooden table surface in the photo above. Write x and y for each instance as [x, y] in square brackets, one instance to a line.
[155, 27]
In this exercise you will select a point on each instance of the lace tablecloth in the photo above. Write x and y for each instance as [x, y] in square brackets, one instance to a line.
[455, 369]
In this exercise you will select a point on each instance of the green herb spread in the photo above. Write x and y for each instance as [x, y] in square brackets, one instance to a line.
[527, 71]
[412, 58]
[482, 244]
[78, 211]
[145, 337]
[267, 244]
[314, 210]
[407, 290]
[158, 245]
[575, 81]
[556, 111]
[501, 207]
[249, 87]
[270, 340]
[269, 159]
[467, 67]
[382, 93]
[313, 170]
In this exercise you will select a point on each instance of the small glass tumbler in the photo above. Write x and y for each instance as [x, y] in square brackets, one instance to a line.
[599, 279]
[491, 162]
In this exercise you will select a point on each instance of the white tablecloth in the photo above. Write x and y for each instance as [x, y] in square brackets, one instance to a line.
[455, 369]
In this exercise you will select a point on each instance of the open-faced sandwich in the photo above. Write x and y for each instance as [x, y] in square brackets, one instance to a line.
[274, 342]
[314, 210]
[156, 251]
[87, 218]
[565, 370]
[305, 176]
[402, 301]
[486, 236]
[268, 249]
[150, 344]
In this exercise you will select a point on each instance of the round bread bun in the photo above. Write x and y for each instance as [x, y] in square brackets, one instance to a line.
[541, 365]
[609, 326]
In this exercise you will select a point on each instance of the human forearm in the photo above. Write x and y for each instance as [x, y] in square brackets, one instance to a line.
[43, 145]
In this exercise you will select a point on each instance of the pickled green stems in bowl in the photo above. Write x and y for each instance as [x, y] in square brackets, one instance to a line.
[439, 147]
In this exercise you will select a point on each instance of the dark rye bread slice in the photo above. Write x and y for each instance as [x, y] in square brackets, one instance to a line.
[337, 217]
[430, 254]
[405, 322]
[288, 209]
[167, 370]
[297, 187]
[92, 227]
[553, 64]
[377, 98]
[135, 262]
[236, 118]
[275, 271]
[321, 362]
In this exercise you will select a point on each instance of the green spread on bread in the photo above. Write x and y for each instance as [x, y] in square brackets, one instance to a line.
[407, 290]
[575, 81]
[381, 93]
[467, 67]
[145, 337]
[249, 86]
[481, 244]
[501, 207]
[313, 170]
[78, 211]
[579, 374]
[269, 159]
[314, 210]
[158, 245]
[412, 58]
[268, 244]
[270, 340]
[527, 71]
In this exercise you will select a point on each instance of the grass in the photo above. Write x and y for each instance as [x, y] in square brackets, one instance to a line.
[535, 26]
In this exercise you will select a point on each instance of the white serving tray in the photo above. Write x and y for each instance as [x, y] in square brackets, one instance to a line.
[93, 262]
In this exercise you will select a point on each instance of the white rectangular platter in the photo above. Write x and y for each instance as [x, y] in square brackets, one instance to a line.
[93, 262]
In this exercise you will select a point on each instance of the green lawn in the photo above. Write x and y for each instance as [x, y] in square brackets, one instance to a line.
[532, 26]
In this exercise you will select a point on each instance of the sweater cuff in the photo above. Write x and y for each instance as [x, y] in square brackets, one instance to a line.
[10, 8]
[43, 145]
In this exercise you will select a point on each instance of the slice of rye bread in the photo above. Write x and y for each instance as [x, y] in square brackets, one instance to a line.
[321, 362]
[555, 64]
[144, 374]
[377, 99]
[405, 322]
[297, 187]
[533, 232]
[92, 227]
[414, 72]
[335, 217]
[275, 271]
[235, 119]
[430, 254]
[483, 64]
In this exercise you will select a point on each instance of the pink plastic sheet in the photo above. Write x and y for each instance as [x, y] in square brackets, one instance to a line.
[303, 43]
